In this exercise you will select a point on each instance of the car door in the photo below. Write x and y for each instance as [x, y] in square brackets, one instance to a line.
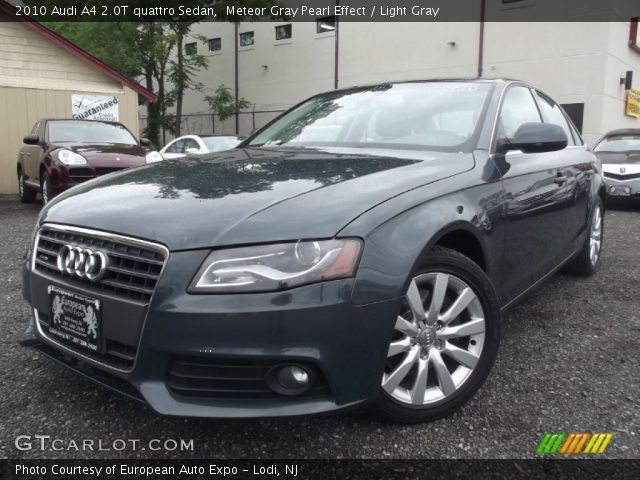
[535, 193]
[580, 164]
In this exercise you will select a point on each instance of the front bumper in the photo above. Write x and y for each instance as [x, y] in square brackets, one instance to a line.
[315, 325]
[616, 185]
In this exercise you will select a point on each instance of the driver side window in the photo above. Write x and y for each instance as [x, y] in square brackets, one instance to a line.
[190, 143]
[175, 147]
[518, 107]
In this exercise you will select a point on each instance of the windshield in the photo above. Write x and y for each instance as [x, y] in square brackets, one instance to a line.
[89, 132]
[619, 143]
[217, 144]
[438, 115]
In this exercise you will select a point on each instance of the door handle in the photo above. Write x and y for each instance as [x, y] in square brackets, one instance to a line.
[560, 180]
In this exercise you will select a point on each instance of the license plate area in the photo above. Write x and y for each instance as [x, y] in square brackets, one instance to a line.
[620, 191]
[76, 319]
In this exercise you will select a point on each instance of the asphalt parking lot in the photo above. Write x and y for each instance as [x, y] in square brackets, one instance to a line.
[569, 361]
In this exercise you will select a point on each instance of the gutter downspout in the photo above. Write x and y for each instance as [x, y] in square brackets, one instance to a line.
[337, 43]
[481, 39]
[236, 88]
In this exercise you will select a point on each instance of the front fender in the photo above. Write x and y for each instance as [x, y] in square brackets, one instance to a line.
[394, 246]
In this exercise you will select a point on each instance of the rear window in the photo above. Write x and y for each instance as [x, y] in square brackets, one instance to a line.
[619, 143]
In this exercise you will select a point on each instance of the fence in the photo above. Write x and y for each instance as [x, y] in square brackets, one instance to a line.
[206, 123]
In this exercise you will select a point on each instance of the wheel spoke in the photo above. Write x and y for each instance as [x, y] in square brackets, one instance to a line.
[444, 377]
[459, 305]
[394, 378]
[415, 302]
[464, 357]
[399, 346]
[471, 327]
[420, 385]
[437, 297]
[406, 327]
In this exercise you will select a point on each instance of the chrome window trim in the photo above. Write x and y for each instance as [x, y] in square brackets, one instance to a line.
[110, 237]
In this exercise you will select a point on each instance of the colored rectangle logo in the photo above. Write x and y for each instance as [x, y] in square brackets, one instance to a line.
[573, 443]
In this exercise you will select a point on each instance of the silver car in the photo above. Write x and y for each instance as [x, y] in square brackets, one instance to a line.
[619, 152]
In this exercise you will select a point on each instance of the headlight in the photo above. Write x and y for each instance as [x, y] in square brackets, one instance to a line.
[274, 267]
[153, 157]
[71, 158]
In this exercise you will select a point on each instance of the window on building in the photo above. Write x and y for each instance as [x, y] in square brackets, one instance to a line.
[191, 48]
[326, 24]
[551, 113]
[518, 108]
[283, 31]
[246, 39]
[215, 44]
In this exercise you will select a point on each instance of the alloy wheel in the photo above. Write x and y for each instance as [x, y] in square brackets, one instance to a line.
[437, 341]
[595, 241]
[21, 184]
[45, 192]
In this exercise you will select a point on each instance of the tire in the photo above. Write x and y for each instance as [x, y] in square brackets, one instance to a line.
[45, 188]
[26, 194]
[454, 354]
[587, 261]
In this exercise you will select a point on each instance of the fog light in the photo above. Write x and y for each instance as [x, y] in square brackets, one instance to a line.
[290, 379]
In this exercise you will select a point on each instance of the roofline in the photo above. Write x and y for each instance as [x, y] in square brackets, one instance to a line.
[431, 80]
[77, 51]
[622, 131]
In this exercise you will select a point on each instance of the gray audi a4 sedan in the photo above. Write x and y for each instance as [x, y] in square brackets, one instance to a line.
[359, 249]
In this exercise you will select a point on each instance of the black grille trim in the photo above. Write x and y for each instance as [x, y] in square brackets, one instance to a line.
[618, 176]
[222, 377]
[133, 270]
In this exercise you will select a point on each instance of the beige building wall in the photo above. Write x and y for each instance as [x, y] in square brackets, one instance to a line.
[37, 80]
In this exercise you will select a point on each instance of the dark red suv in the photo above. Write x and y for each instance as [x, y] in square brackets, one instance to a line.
[59, 154]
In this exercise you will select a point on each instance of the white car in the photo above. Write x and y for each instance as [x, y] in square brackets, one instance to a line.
[198, 144]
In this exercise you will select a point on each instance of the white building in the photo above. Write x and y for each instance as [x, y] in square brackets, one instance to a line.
[276, 65]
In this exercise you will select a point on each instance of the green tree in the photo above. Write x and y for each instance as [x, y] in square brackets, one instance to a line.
[224, 104]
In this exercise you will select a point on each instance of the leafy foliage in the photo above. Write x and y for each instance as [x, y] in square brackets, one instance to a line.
[224, 104]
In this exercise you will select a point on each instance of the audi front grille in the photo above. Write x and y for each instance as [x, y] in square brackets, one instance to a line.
[73, 255]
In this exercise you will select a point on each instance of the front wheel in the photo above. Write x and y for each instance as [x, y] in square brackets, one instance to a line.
[445, 340]
[45, 189]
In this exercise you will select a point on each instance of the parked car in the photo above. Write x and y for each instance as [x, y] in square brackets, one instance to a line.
[198, 144]
[288, 277]
[619, 152]
[59, 154]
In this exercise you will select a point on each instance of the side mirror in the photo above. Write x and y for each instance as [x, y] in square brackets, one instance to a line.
[31, 139]
[145, 142]
[535, 138]
[192, 150]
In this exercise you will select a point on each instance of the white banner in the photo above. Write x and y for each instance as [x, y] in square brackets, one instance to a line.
[93, 107]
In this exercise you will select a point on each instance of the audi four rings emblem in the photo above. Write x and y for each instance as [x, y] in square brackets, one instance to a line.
[82, 262]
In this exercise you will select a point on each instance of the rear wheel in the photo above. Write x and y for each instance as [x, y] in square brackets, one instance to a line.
[26, 194]
[587, 261]
[445, 340]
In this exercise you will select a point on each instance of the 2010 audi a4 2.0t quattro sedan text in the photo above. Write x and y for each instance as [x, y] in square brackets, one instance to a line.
[360, 248]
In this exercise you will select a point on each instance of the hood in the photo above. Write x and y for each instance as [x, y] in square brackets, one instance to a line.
[249, 195]
[112, 155]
